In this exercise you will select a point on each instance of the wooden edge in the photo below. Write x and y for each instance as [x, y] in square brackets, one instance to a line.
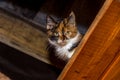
[99, 16]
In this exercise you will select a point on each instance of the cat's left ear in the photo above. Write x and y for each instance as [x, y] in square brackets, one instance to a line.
[71, 19]
[50, 22]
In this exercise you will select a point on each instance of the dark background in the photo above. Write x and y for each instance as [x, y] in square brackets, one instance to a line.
[36, 10]
[19, 66]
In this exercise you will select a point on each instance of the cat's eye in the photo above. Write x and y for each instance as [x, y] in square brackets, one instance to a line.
[56, 34]
[67, 33]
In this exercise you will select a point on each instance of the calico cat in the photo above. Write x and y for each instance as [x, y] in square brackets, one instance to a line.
[63, 36]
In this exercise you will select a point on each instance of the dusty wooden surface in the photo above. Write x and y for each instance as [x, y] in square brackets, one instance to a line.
[23, 36]
[97, 57]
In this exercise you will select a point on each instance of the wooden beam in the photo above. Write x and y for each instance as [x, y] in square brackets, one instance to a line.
[113, 72]
[23, 36]
[99, 47]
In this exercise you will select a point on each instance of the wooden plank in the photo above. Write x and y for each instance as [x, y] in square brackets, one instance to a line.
[99, 46]
[113, 73]
[23, 36]
[4, 77]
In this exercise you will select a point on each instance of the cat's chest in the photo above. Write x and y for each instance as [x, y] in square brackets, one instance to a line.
[64, 51]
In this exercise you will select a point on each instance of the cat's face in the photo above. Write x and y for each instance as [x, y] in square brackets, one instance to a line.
[60, 33]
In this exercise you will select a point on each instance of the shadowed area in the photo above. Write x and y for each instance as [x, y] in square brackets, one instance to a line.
[19, 66]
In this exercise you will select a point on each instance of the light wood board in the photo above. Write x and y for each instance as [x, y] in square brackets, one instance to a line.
[23, 36]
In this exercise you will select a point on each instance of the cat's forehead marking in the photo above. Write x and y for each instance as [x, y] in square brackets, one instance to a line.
[60, 26]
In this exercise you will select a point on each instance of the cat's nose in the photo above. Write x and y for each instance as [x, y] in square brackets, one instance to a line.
[61, 42]
[63, 38]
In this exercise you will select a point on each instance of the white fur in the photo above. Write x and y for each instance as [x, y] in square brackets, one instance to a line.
[63, 52]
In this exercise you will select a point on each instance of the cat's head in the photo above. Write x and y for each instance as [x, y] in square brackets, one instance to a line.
[59, 33]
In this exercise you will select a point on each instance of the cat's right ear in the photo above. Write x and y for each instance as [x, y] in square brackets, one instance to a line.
[50, 22]
[71, 19]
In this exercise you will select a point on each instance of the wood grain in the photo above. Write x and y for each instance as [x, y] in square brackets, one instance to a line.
[114, 71]
[23, 36]
[99, 47]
